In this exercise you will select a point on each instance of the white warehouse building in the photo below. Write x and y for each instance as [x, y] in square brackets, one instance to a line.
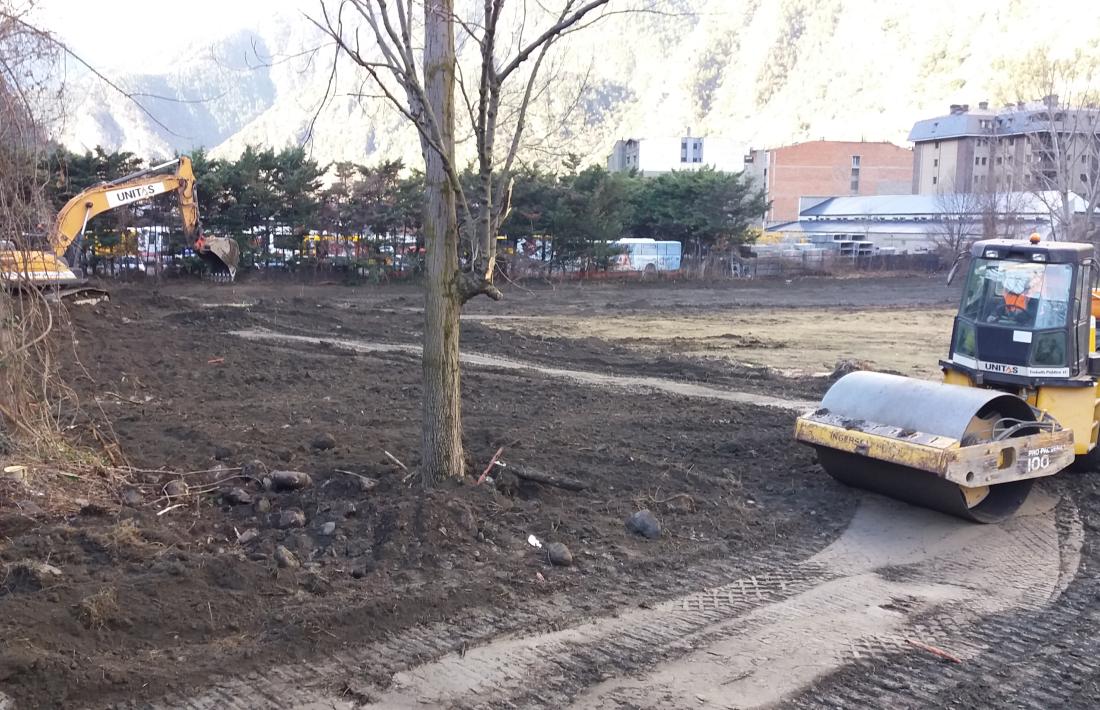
[654, 156]
[910, 224]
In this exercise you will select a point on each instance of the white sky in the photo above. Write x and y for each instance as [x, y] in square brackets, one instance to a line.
[139, 37]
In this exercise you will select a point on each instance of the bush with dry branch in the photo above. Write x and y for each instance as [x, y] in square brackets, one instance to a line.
[36, 405]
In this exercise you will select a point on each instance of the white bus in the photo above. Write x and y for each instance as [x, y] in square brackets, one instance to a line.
[648, 255]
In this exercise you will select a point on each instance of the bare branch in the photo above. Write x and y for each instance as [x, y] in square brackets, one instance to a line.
[549, 35]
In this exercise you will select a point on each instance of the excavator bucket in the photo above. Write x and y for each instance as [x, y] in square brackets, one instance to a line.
[223, 255]
[968, 452]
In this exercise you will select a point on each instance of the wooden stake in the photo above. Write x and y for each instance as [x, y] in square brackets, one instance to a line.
[935, 651]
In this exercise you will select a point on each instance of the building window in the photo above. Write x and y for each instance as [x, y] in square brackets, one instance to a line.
[853, 185]
[977, 161]
[1000, 160]
[1084, 178]
[1084, 158]
[933, 179]
[985, 161]
[855, 161]
[935, 162]
[936, 145]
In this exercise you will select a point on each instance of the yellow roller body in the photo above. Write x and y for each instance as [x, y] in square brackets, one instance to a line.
[965, 451]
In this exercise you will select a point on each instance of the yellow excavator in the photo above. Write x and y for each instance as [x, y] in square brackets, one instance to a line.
[23, 266]
[1018, 399]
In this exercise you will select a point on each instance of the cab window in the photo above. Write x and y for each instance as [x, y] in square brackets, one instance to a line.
[1018, 294]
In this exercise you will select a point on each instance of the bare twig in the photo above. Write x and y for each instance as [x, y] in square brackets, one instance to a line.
[935, 651]
[490, 466]
[396, 460]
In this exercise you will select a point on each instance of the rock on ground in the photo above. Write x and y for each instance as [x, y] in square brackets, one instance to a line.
[248, 536]
[174, 489]
[237, 496]
[559, 554]
[323, 442]
[288, 480]
[644, 523]
[285, 519]
[131, 497]
[285, 558]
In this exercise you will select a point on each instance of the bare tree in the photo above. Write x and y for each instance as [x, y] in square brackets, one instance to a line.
[1062, 167]
[410, 59]
[28, 377]
[1000, 211]
[959, 222]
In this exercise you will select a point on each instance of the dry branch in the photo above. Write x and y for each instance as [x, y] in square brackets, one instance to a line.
[547, 479]
[935, 651]
[488, 468]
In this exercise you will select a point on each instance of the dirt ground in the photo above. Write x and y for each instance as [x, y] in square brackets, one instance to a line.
[197, 567]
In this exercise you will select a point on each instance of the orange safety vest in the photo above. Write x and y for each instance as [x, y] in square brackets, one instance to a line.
[1015, 302]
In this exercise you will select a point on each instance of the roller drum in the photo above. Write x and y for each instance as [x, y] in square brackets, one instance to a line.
[963, 413]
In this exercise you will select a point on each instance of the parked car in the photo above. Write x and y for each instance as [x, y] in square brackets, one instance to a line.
[131, 263]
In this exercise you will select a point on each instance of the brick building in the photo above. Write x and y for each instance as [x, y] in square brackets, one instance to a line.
[827, 169]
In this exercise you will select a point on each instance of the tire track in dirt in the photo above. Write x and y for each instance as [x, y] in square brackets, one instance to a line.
[739, 641]
[1032, 658]
[906, 575]
[339, 682]
[756, 640]
[596, 379]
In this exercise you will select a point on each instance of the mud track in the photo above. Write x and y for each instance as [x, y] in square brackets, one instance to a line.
[895, 576]
[594, 379]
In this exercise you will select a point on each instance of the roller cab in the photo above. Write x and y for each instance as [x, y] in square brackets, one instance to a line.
[1018, 401]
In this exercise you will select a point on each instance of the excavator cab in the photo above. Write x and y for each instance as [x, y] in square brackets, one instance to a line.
[1018, 399]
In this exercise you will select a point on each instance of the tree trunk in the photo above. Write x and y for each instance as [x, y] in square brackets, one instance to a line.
[441, 435]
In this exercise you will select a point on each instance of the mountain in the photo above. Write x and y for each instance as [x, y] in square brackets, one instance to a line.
[762, 72]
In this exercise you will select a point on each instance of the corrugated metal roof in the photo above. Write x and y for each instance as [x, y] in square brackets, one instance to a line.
[931, 205]
[884, 227]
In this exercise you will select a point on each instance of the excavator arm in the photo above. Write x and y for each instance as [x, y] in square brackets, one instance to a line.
[73, 217]
[72, 220]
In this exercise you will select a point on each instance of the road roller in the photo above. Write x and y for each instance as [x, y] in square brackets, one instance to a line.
[1018, 399]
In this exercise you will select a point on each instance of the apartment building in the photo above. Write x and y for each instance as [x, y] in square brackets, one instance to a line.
[657, 155]
[1024, 146]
